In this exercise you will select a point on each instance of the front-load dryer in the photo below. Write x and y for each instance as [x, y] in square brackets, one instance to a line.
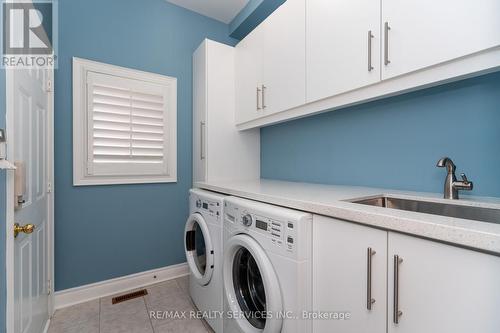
[203, 245]
[267, 268]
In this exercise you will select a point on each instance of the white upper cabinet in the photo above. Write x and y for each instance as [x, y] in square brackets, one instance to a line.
[343, 46]
[424, 33]
[248, 60]
[310, 56]
[200, 81]
[441, 288]
[213, 120]
[270, 64]
[284, 58]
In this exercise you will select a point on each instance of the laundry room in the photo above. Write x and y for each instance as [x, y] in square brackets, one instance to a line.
[249, 166]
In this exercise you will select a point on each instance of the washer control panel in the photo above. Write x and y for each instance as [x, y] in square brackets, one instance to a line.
[280, 233]
[278, 230]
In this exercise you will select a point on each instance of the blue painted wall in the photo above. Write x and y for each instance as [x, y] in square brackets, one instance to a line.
[249, 8]
[102, 232]
[251, 16]
[3, 294]
[395, 143]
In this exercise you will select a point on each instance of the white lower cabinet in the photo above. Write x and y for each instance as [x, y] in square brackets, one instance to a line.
[341, 275]
[442, 288]
[419, 286]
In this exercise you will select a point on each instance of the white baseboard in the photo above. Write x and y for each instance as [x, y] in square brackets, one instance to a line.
[68, 297]
[47, 325]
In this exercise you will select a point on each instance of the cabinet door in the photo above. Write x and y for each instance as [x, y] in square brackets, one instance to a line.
[341, 275]
[199, 113]
[425, 32]
[343, 46]
[248, 63]
[442, 288]
[284, 64]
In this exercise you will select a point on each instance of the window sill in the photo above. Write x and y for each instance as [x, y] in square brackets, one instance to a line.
[94, 181]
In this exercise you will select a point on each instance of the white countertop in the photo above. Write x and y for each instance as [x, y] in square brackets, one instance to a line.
[329, 200]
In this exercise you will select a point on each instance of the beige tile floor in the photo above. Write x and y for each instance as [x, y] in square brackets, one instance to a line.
[101, 316]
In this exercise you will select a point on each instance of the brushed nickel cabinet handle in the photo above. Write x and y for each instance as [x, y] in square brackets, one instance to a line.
[369, 300]
[202, 140]
[370, 36]
[264, 96]
[258, 99]
[386, 43]
[397, 313]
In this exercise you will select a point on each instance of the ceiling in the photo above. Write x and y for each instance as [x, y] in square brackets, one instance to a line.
[221, 10]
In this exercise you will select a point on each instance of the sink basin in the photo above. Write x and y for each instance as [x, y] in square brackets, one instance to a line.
[483, 214]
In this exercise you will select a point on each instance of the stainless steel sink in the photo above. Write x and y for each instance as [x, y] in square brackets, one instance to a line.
[483, 214]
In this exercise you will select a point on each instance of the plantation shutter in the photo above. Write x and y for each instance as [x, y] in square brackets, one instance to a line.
[127, 125]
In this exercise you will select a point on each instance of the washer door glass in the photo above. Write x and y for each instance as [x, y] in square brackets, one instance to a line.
[249, 288]
[199, 251]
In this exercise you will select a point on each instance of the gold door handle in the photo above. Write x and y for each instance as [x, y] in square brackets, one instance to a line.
[27, 229]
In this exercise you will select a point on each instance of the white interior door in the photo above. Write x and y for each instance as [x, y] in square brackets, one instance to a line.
[32, 117]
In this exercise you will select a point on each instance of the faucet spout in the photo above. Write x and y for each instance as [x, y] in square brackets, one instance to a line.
[447, 163]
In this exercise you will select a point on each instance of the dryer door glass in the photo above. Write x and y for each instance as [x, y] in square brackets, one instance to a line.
[199, 250]
[249, 288]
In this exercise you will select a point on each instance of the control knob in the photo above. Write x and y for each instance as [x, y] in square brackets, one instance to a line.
[198, 203]
[247, 220]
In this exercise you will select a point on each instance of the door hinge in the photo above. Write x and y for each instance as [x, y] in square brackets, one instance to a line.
[49, 187]
[49, 287]
[49, 86]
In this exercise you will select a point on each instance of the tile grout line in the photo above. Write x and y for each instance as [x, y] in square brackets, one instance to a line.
[100, 309]
[147, 313]
[186, 293]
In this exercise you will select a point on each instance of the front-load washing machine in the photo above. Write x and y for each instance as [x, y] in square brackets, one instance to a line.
[203, 245]
[267, 268]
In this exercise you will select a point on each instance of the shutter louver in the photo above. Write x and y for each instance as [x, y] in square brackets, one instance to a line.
[127, 126]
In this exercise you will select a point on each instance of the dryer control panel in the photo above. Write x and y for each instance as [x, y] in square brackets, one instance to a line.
[206, 206]
[213, 208]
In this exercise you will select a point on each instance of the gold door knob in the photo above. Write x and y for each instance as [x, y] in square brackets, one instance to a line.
[27, 229]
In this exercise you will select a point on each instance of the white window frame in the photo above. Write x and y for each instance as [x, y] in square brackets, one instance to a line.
[81, 67]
